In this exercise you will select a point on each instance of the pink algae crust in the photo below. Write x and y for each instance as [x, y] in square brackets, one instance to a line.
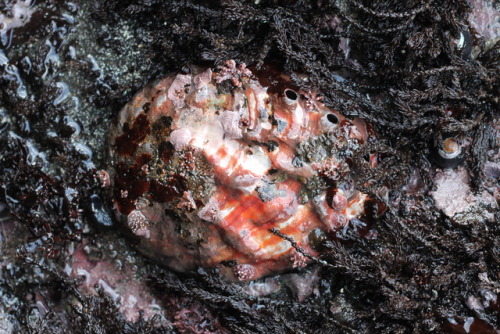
[207, 163]
[118, 280]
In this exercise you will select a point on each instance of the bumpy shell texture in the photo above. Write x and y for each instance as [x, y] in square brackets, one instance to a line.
[206, 165]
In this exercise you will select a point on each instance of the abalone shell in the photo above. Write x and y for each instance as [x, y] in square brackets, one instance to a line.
[206, 164]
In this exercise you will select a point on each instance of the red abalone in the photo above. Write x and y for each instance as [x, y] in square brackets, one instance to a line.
[207, 163]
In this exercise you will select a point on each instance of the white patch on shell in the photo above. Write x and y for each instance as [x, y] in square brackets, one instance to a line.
[230, 121]
[202, 79]
[180, 138]
[177, 91]
[258, 162]
[208, 137]
[210, 212]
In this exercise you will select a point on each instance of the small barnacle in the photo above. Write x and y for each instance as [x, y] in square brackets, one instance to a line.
[138, 224]
[451, 149]
[245, 272]
[449, 154]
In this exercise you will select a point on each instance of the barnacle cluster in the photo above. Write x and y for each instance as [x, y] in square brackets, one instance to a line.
[213, 168]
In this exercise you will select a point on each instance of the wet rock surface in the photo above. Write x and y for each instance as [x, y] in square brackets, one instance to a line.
[417, 72]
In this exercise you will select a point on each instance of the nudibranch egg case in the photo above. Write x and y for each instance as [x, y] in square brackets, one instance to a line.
[206, 165]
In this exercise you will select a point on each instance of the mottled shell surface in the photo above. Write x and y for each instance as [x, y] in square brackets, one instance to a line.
[206, 164]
